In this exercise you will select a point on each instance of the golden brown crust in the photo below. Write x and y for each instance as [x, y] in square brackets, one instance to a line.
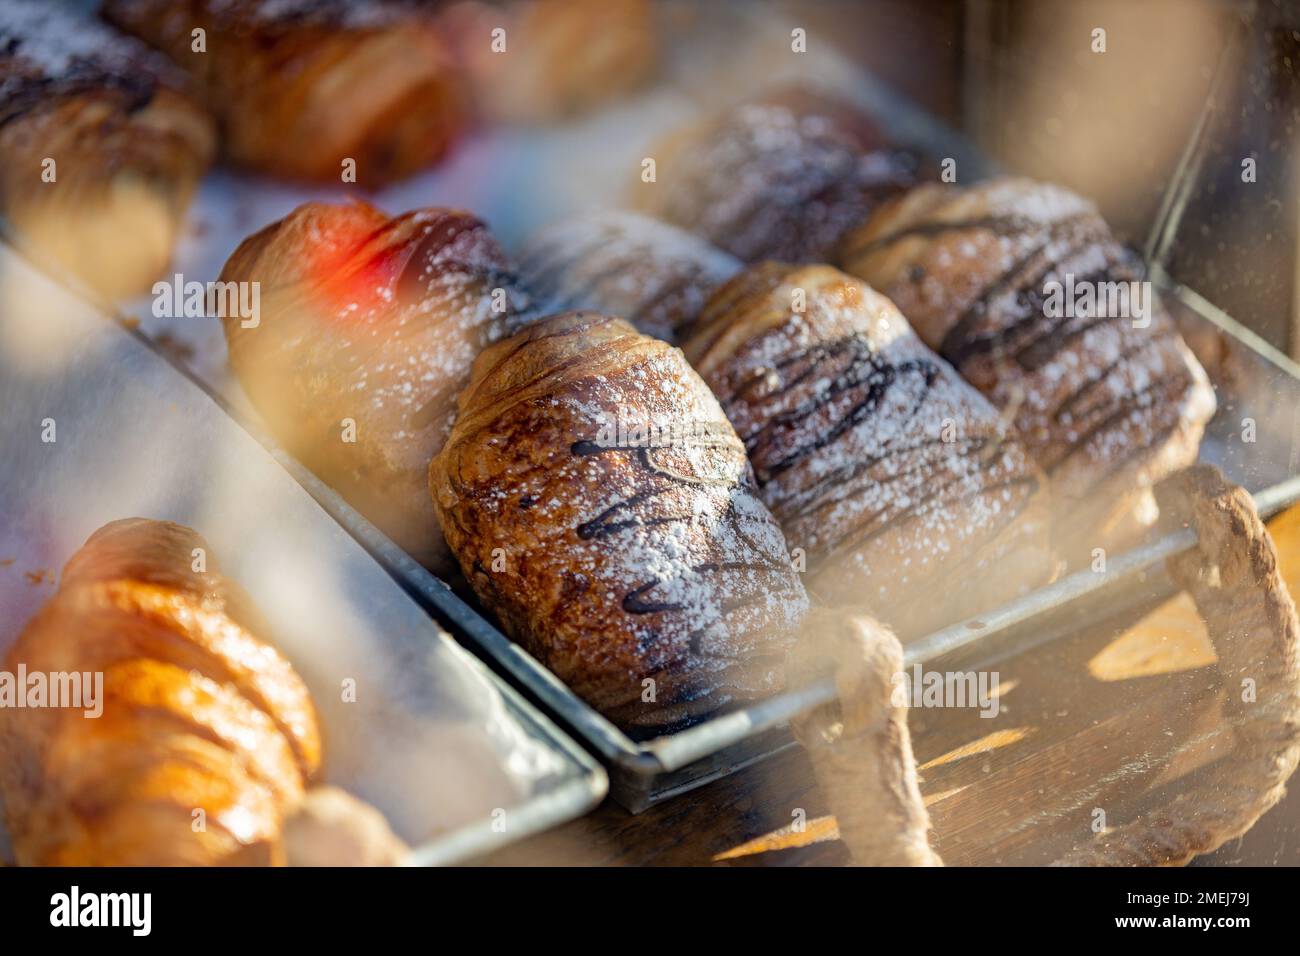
[1105, 406]
[198, 714]
[620, 263]
[891, 473]
[781, 177]
[561, 57]
[373, 320]
[128, 144]
[300, 86]
[616, 555]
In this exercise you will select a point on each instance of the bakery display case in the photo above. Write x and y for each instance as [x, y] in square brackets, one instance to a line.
[138, 458]
[715, 389]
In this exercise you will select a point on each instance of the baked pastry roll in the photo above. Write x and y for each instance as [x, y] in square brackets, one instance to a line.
[1107, 401]
[301, 85]
[560, 57]
[100, 147]
[624, 264]
[368, 325]
[197, 713]
[890, 474]
[781, 177]
[600, 504]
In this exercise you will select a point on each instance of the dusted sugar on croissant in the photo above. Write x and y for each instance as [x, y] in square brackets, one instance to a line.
[1108, 400]
[299, 86]
[620, 263]
[100, 147]
[367, 330]
[600, 504]
[782, 177]
[201, 720]
[888, 471]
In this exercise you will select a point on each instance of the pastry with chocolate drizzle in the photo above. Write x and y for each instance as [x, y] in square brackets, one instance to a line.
[600, 504]
[621, 263]
[373, 320]
[893, 475]
[127, 142]
[783, 176]
[1108, 404]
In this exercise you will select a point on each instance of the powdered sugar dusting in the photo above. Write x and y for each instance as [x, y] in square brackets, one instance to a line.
[44, 42]
[1096, 398]
[627, 265]
[669, 565]
[781, 178]
[345, 14]
[876, 458]
[378, 321]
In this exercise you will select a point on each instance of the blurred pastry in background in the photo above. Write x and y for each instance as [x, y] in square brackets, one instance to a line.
[197, 715]
[368, 326]
[1106, 396]
[888, 472]
[601, 505]
[783, 176]
[535, 61]
[300, 86]
[100, 147]
[620, 263]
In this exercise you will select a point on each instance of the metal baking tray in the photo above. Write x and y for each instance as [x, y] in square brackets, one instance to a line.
[457, 760]
[519, 180]
[1252, 379]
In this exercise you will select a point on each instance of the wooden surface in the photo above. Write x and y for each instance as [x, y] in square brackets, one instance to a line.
[1114, 721]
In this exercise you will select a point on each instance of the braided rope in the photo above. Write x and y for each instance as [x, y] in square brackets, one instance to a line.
[862, 753]
[860, 748]
[1233, 577]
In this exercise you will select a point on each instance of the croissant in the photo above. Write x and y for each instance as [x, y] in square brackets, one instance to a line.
[100, 147]
[551, 58]
[300, 86]
[600, 504]
[884, 468]
[198, 714]
[620, 263]
[1107, 403]
[367, 329]
[781, 177]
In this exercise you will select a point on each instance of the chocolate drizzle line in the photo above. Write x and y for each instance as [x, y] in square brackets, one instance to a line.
[419, 268]
[1144, 397]
[810, 500]
[1002, 225]
[30, 92]
[612, 520]
[1102, 374]
[1032, 339]
[879, 521]
[862, 368]
[547, 270]
[961, 343]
